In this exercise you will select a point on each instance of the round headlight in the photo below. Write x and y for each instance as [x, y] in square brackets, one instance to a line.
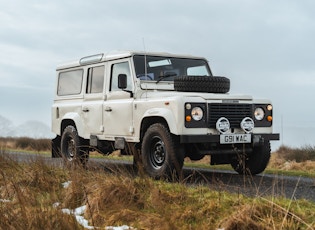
[259, 114]
[197, 113]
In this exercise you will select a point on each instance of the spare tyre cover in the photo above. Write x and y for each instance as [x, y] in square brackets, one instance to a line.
[209, 84]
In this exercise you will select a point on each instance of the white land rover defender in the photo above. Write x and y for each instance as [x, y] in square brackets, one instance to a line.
[161, 108]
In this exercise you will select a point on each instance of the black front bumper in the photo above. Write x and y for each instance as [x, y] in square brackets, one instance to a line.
[216, 138]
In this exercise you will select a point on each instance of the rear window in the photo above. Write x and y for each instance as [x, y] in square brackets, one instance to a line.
[70, 82]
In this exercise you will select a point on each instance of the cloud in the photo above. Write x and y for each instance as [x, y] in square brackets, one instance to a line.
[265, 47]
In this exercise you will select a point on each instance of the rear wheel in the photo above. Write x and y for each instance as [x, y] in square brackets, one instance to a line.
[161, 154]
[253, 163]
[72, 146]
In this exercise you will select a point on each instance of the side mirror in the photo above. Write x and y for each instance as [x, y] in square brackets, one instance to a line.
[122, 81]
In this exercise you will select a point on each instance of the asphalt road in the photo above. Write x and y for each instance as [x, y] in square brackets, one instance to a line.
[220, 180]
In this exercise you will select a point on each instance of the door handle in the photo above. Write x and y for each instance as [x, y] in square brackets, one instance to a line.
[85, 110]
[108, 109]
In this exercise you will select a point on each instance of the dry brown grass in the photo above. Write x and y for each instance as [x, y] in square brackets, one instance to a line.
[28, 192]
[25, 143]
[299, 159]
[117, 198]
[301, 154]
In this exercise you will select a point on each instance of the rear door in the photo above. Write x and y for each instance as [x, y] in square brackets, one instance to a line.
[92, 106]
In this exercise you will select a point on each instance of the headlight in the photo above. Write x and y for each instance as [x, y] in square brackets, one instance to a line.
[197, 113]
[259, 114]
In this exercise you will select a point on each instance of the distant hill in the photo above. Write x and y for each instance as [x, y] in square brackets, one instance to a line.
[6, 127]
[33, 129]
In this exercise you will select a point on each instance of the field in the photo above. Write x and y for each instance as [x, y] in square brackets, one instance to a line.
[37, 195]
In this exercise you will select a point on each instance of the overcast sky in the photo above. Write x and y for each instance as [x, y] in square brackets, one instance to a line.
[265, 47]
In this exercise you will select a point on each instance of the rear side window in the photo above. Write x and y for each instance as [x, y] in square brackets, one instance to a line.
[95, 80]
[70, 82]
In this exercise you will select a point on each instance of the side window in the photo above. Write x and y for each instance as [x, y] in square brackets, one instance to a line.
[95, 79]
[70, 82]
[120, 68]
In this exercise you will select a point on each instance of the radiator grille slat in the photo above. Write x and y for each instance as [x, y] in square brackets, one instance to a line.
[235, 113]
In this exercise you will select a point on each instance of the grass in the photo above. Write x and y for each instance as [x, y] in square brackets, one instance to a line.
[284, 161]
[293, 161]
[29, 190]
[25, 143]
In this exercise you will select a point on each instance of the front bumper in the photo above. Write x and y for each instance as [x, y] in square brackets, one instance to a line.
[256, 138]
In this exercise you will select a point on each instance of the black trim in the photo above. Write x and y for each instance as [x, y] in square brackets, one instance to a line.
[234, 112]
[196, 124]
[264, 122]
[216, 138]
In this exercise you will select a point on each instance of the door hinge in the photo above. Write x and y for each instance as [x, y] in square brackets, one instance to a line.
[131, 129]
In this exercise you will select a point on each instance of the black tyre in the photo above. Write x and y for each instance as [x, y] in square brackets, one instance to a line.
[253, 163]
[160, 152]
[207, 84]
[72, 146]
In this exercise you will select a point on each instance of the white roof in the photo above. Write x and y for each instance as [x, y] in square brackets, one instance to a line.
[118, 55]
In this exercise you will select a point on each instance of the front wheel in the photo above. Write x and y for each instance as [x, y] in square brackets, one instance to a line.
[161, 154]
[254, 163]
[72, 146]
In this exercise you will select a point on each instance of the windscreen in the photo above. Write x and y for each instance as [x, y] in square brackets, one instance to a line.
[166, 68]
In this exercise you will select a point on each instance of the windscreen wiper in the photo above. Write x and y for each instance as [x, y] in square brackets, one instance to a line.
[166, 76]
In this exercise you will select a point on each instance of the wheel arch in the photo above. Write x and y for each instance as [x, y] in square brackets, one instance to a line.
[164, 116]
[148, 121]
[74, 120]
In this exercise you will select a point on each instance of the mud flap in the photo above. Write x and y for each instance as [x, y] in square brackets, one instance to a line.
[55, 147]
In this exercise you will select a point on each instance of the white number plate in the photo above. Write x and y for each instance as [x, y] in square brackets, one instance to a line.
[235, 138]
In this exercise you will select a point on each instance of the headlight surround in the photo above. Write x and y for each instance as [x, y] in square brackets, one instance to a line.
[197, 113]
[259, 114]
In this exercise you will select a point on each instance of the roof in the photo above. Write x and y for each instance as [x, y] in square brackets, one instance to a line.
[114, 55]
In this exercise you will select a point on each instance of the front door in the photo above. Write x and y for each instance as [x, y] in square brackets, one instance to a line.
[118, 106]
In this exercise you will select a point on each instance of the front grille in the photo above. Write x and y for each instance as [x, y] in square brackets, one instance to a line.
[235, 113]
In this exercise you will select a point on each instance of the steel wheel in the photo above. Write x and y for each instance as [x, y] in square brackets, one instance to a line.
[157, 152]
[71, 146]
[160, 153]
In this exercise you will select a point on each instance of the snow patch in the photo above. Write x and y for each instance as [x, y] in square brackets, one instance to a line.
[78, 212]
[66, 184]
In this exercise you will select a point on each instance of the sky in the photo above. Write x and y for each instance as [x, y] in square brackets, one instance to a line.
[266, 48]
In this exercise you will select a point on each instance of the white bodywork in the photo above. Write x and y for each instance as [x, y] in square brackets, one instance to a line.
[111, 114]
